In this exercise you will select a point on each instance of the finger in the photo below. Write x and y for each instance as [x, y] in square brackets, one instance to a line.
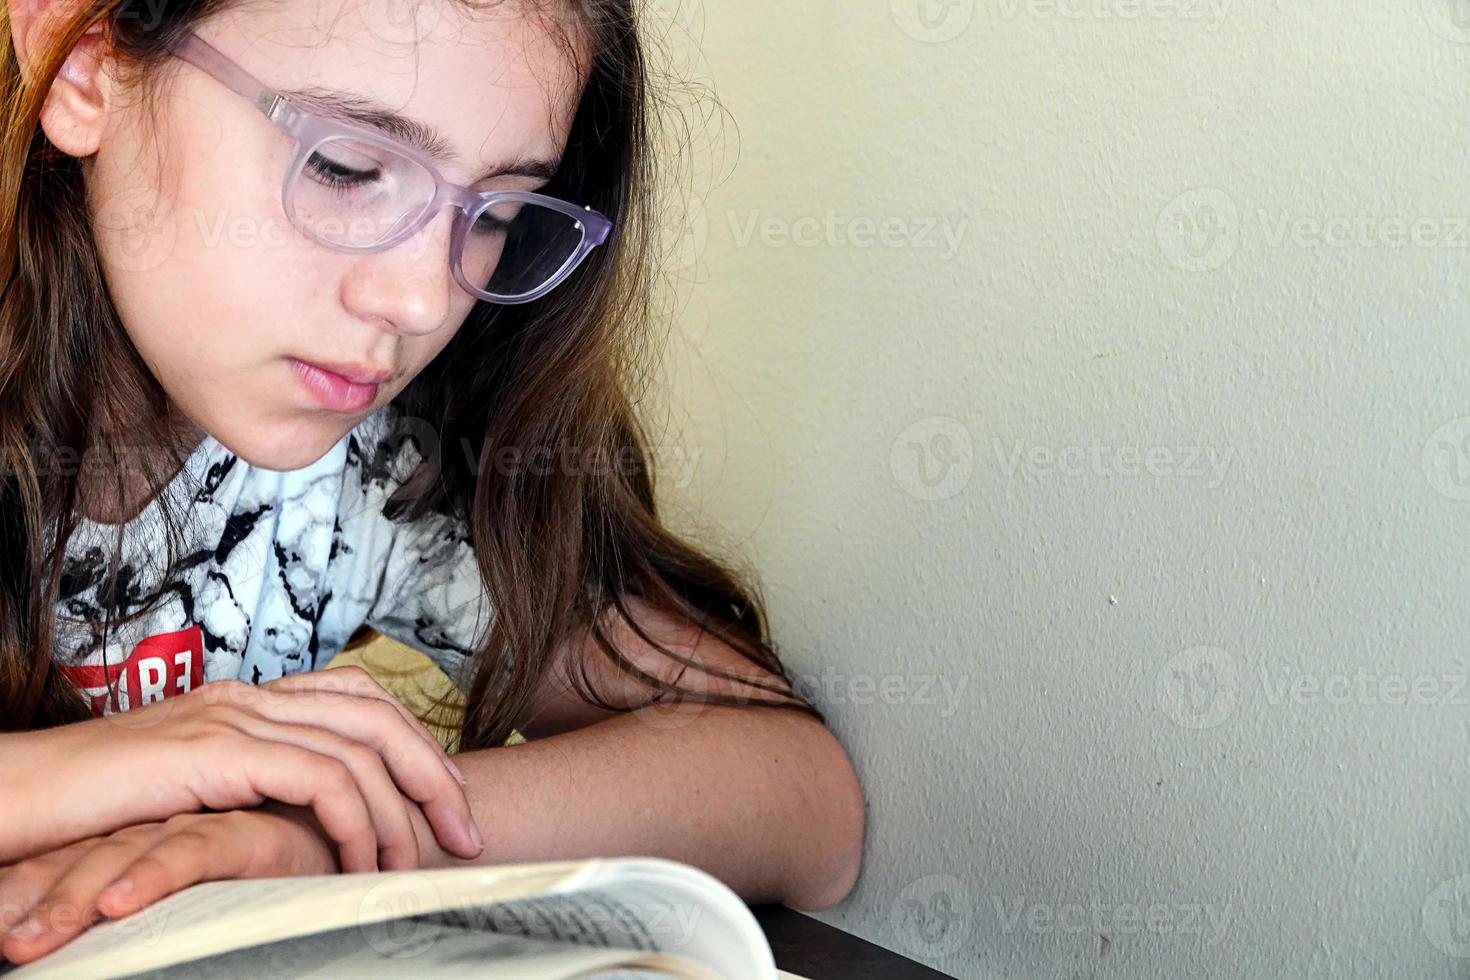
[355, 681]
[396, 843]
[206, 850]
[291, 774]
[23, 883]
[410, 761]
[69, 906]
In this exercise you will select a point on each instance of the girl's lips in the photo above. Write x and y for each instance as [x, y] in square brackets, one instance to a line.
[333, 391]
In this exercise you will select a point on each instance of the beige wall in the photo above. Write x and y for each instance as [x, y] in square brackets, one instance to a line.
[1123, 533]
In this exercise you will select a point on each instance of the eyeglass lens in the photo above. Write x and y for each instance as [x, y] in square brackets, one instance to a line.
[358, 194]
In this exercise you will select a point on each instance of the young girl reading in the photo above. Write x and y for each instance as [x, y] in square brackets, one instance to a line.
[325, 315]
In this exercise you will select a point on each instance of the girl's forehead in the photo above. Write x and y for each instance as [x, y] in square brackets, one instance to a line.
[508, 74]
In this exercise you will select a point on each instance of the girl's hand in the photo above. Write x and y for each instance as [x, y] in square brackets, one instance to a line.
[66, 891]
[333, 740]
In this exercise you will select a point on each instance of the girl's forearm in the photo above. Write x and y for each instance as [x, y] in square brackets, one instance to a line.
[56, 789]
[26, 826]
[764, 799]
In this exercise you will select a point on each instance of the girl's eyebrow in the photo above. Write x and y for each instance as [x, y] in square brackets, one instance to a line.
[422, 137]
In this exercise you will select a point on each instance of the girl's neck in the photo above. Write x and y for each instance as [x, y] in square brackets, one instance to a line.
[129, 465]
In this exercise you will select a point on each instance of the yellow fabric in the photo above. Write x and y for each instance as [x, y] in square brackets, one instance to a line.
[415, 680]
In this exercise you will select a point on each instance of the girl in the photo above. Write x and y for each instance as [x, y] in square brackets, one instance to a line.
[322, 315]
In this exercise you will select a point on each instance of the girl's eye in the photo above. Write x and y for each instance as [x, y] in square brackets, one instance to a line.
[489, 224]
[495, 220]
[334, 174]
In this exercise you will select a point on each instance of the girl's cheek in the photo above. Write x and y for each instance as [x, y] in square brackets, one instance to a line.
[229, 178]
[241, 233]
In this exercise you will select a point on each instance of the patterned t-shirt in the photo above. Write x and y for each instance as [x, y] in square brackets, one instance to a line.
[278, 569]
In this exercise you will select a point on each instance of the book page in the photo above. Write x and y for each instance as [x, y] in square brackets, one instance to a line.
[439, 951]
[219, 916]
[645, 905]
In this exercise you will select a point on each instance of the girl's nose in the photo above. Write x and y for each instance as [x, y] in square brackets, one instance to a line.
[408, 287]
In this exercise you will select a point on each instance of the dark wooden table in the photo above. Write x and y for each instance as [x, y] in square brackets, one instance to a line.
[816, 950]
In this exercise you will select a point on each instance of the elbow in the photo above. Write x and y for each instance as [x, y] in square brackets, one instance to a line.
[834, 859]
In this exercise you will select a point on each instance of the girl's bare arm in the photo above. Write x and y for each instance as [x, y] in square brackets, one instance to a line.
[763, 798]
[332, 741]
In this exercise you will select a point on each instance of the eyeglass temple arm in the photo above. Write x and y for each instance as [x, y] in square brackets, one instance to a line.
[206, 57]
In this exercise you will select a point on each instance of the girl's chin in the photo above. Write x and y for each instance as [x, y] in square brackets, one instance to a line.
[284, 445]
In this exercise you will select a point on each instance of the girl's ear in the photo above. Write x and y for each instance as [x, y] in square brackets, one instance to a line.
[75, 108]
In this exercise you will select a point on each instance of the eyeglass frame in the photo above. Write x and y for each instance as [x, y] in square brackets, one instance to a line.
[308, 131]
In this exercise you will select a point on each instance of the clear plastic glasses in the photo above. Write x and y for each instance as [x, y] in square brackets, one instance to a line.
[355, 189]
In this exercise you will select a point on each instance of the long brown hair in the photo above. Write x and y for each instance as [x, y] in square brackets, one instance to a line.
[559, 548]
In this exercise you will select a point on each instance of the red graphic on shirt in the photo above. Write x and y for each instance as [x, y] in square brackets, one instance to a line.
[160, 667]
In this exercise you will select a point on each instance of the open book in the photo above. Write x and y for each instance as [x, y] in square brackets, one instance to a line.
[623, 918]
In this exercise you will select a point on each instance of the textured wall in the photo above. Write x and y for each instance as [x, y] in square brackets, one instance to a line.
[1123, 532]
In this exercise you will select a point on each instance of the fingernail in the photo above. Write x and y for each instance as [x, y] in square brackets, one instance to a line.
[120, 887]
[475, 834]
[454, 771]
[29, 929]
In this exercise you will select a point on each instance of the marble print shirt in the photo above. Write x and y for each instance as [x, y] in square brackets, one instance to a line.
[278, 569]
